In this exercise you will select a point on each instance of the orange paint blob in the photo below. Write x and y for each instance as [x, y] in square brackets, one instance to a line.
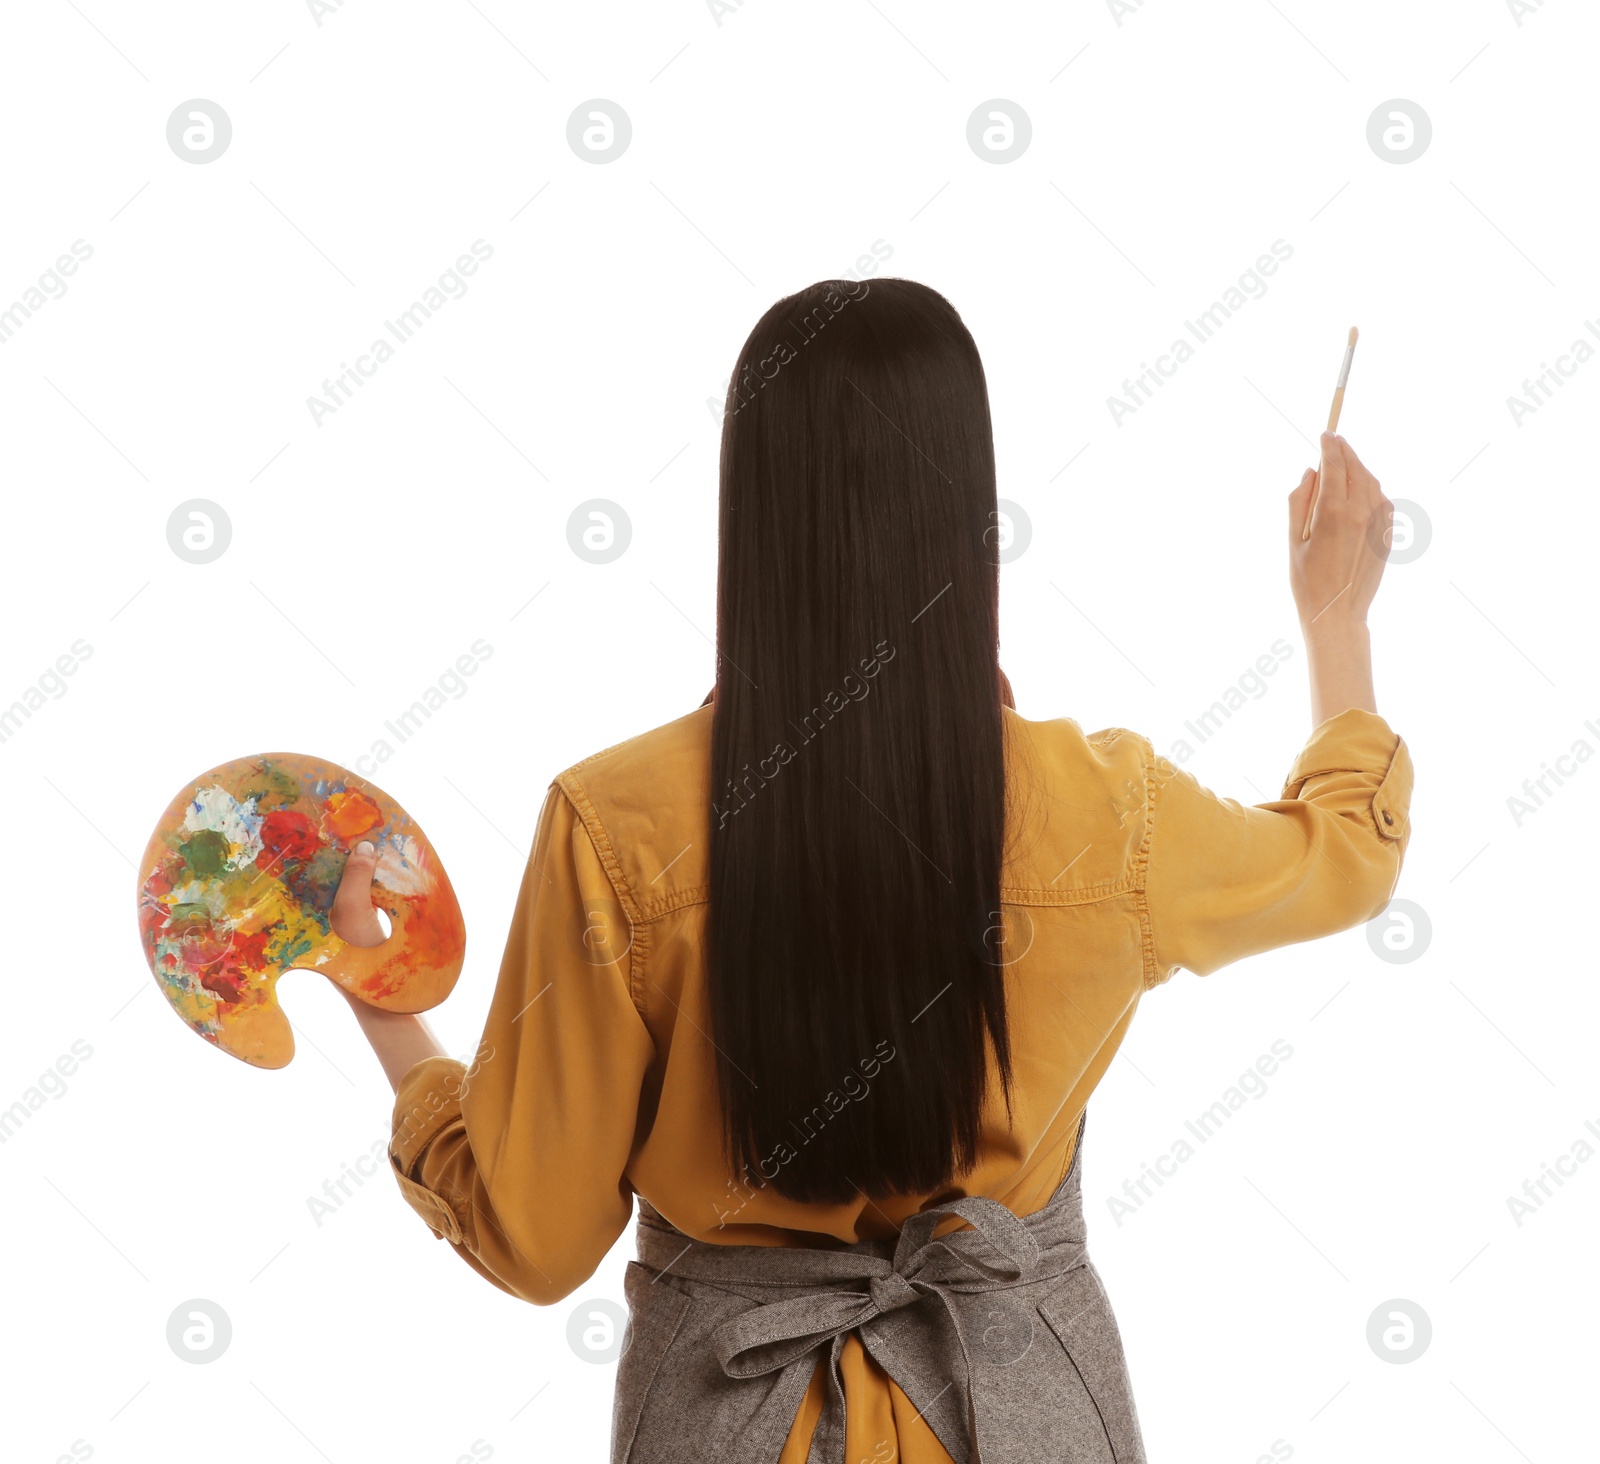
[351, 814]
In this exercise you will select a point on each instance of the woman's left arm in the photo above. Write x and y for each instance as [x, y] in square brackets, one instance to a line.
[518, 1159]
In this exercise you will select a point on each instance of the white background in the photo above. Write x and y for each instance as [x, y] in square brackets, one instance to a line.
[1168, 152]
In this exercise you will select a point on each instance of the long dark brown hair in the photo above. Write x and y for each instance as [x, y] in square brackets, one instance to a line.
[858, 779]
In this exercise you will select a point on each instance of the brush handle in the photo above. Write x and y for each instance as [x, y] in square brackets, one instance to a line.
[1333, 426]
[1333, 423]
[1311, 503]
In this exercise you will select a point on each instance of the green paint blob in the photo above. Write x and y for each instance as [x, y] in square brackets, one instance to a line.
[205, 853]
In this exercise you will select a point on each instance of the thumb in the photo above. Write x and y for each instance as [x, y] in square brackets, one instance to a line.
[353, 917]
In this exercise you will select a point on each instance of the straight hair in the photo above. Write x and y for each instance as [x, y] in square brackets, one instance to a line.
[856, 993]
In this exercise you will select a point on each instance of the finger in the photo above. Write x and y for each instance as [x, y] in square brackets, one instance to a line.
[1363, 486]
[1300, 503]
[1335, 476]
[353, 917]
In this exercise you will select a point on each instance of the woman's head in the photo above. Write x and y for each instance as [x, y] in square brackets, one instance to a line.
[858, 780]
[858, 461]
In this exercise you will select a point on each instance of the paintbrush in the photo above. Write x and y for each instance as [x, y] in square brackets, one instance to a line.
[1333, 417]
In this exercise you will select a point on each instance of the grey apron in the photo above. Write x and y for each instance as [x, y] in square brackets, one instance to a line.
[1001, 1336]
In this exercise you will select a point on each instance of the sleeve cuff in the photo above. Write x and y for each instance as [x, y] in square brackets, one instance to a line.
[1361, 742]
[440, 1217]
[427, 1102]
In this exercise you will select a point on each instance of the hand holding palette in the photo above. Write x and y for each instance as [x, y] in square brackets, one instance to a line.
[237, 884]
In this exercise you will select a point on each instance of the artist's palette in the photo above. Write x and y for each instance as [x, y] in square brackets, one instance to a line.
[237, 883]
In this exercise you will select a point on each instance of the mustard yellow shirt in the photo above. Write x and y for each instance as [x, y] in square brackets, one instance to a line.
[595, 1077]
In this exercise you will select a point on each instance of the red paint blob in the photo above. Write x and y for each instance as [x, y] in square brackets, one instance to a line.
[286, 834]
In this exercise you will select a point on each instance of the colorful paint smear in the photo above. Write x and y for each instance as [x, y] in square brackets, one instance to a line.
[238, 882]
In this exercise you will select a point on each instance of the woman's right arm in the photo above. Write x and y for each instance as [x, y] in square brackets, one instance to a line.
[1225, 880]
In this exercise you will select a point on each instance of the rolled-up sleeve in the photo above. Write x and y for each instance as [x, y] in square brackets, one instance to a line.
[518, 1159]
[1226, 880]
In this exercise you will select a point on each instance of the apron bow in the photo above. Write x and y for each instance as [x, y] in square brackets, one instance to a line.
[771, 1336]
